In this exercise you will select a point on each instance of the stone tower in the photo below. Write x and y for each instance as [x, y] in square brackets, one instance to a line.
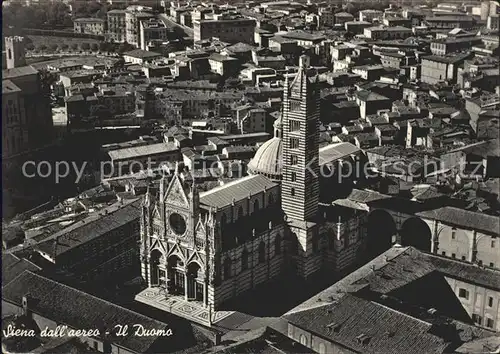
[14, 47]
[300, 191]
[300, 181]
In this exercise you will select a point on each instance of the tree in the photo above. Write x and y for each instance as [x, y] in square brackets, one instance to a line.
[29, 46]
[42, 47]
[64, 46]
[85, 46]
[94, 47]
[54, 47]
[74, 46]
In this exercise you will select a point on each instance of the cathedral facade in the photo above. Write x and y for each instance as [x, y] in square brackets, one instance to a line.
[212, 246]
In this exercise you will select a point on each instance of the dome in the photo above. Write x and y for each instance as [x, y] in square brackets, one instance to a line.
[268, 159]
[278, 123]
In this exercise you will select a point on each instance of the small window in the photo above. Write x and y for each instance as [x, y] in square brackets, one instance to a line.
[262, 252]
[293, 176]
[492, 243]
[453, 255]
[244, 260]
[453, 233]
[294, 160]
[477, 319]
[490, 301]
[294, 143]
[443, 253]
[463, 293]
[292, 192]
[463, 258]
[256, 206]
[227, 268]
[492, 265]
[489, 322]
[277, 245]
[294, 125]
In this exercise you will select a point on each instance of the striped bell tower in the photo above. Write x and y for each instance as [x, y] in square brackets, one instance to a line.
[300, 183]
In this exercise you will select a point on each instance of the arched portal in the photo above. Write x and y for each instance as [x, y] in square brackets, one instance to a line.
[154, 261]
[176, 281]
[381, 229]
[415, 232]
[195, 285]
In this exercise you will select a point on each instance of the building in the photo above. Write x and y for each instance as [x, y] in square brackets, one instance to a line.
[56, 307]
[371, 15]
[133, 17]
[356, 27]
[373, 309]
[100, 246]
[450, 45]
[450, 22]
[223, 65]
[138, 158]
[466, 235]
[27, 106]
[14, 47]
[231, 29]
[89, 26]
[117, 26]
[140, 56]
[152, 30]
[14, 133]
[441, 68]
[208, 248]
[343, 17]
[492, 22]
[253, 121]
[386, 33]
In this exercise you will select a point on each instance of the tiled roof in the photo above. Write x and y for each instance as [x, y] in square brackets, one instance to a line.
[365, 95]
[94, 226]
[237, 190]
[263, 341]
[368, 327]
[12, 266]
[398, 267]
[138, 151]
[466, 219]
[66, 305]
[139, 53]
[337, 151]
[9, 87]
[20, 71]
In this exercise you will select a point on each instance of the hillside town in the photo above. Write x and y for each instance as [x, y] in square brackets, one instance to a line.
[250, 177]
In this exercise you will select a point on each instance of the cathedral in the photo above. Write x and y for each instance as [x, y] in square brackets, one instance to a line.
[212, 246]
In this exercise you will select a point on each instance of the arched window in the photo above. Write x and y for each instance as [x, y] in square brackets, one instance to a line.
[315, 243]
[295, 244]
[262, 252]
[244, 260]
[322, 348]
[227, 268]
[303, 340]
[277, 244]
[256, 206]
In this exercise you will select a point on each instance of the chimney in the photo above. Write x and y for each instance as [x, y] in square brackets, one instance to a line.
[304, 61]
[26, 303]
